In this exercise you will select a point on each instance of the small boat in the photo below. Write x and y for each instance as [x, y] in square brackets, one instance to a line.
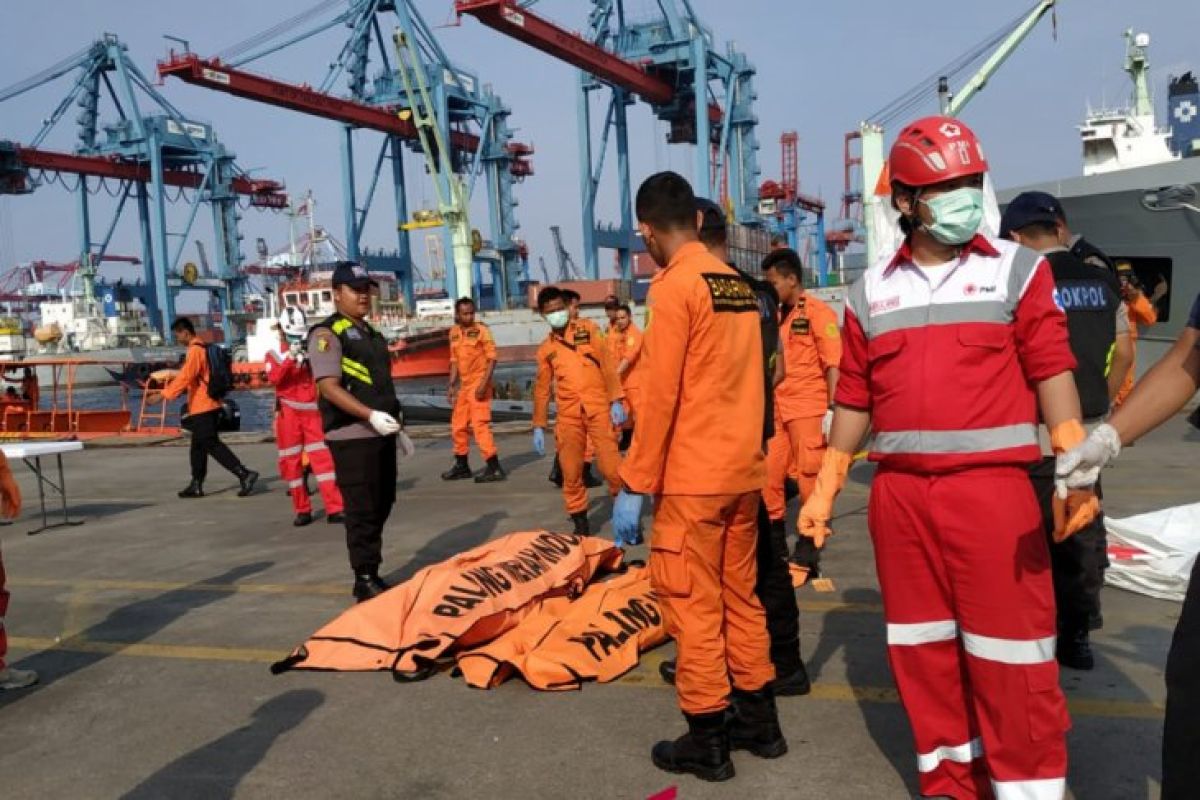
[28, 413]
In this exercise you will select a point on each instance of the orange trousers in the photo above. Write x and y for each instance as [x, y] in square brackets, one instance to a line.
[702, 569]
[797, 448]
[572, 437]
[472, 416]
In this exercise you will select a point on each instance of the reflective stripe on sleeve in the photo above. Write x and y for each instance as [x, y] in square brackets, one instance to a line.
[959, 754]
[1036, 789]
[981, 440]
[901, 634]
[1009, 651]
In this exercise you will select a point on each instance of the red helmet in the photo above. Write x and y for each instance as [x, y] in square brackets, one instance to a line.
[935, 149]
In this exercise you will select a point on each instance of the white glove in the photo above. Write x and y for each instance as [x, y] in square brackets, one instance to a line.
[405, 445]
[1080, 467]
[827, 424]
[384, 424]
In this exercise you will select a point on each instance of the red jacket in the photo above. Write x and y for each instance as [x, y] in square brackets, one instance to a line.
[293, 382]
[947, 359]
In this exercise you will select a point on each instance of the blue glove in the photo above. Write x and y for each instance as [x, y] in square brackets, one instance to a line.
[618, 413]
[539, 441]
[626, 519]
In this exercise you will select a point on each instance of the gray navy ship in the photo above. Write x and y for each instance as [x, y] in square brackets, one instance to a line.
[1138, 198]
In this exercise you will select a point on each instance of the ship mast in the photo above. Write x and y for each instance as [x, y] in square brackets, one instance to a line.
[1137, 64]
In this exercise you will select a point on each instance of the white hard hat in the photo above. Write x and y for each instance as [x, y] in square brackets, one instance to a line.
[292, 322]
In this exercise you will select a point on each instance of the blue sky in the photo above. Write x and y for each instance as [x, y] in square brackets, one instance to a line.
[822, 67]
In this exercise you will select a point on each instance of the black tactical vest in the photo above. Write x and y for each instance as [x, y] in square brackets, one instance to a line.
[1090, 297]
[366, 371]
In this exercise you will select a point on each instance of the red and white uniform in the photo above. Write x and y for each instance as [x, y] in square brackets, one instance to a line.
[947, 359]
[298, 433]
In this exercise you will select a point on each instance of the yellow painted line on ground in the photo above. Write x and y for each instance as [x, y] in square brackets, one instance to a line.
[833, 692]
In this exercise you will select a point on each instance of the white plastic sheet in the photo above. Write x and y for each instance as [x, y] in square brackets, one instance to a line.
[1153, 553]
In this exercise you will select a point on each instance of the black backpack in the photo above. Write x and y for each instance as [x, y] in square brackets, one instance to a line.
[220, 371]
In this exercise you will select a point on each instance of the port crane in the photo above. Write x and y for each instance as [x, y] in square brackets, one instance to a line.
[472, 120]
[148, 153]
[671, 63]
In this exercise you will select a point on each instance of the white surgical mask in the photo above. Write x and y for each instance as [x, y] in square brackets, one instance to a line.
[558, 319]
[957, 215]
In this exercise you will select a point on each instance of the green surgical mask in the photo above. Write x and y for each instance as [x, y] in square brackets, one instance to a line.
[558, 319]
[957, 215]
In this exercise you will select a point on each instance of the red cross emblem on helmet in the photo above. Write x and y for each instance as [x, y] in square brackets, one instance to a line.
[935, 149]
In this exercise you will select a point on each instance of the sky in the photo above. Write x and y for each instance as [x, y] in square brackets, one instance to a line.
[822, 68]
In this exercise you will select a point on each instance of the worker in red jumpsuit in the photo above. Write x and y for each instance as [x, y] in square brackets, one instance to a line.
[952, 346]
[298, 422]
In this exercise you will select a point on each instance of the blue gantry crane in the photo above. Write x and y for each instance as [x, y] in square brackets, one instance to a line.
[472, 119]
[673, 64]
[147, 153]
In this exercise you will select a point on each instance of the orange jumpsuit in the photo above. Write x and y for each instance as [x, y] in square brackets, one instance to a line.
[812, 344]
[472, 350]
[698, 448]
[1141, 312]
[622, 347]
[595, 335]
[585, 386]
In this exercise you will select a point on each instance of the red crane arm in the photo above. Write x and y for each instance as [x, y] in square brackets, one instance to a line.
[262, 192]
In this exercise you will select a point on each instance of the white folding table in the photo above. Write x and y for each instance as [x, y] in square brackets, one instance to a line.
[31, 453]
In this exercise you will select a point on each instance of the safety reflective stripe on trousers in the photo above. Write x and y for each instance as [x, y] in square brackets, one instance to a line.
[290, 451]
[356, 370]
[980, 440]
[325, 477]
[297, 405]
[960, 754]
[1037, 789]
[313, 447]
[912, 633]
[296, 484]
[1009, 651]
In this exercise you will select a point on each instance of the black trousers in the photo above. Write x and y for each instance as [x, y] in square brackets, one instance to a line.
[1181, 733]
[1078, 563]
[774, 589]
[366, 475]
[206, 442]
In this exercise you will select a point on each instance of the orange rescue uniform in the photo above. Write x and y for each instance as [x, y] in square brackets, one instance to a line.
[698, 447]
[812, 344]
[627, 346]
[193, 379]
[585, 386]
[472, 351]
[1141, 312]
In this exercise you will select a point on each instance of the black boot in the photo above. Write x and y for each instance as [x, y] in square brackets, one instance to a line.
[302, 519]
[368, 585]
[247, 478]
[491, 473]
[460, 470]
[1075, 650]
[582, 528]
[792, 684]
[703, 750]
[666, 671]
[336, 518]
[194, 489]
[754, 725]
[555, 475]
[589, 478]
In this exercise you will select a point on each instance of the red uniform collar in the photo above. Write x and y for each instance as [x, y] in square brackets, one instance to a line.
[978, 245]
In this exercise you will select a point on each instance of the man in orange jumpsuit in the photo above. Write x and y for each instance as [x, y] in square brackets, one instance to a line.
[589, 403]
[812, 348]
[584, 328]
[472, 362]
[1141, 312]
[298, 430]
[10, 508]
[624, 349]
[698, 449]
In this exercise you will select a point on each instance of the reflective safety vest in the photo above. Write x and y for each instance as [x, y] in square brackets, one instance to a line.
[460, 603]
[366, 371]
[568, 641]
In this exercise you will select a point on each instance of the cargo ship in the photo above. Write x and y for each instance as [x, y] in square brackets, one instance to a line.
[1138, 198]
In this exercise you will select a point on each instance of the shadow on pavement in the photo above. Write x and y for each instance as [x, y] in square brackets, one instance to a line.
[449, 543]
[520, 460]
[214, 770]
[862, 640]
[129, 624]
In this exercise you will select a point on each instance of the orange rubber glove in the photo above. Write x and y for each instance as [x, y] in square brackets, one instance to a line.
[10, 493]
[818, 509]
[1074, 509]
